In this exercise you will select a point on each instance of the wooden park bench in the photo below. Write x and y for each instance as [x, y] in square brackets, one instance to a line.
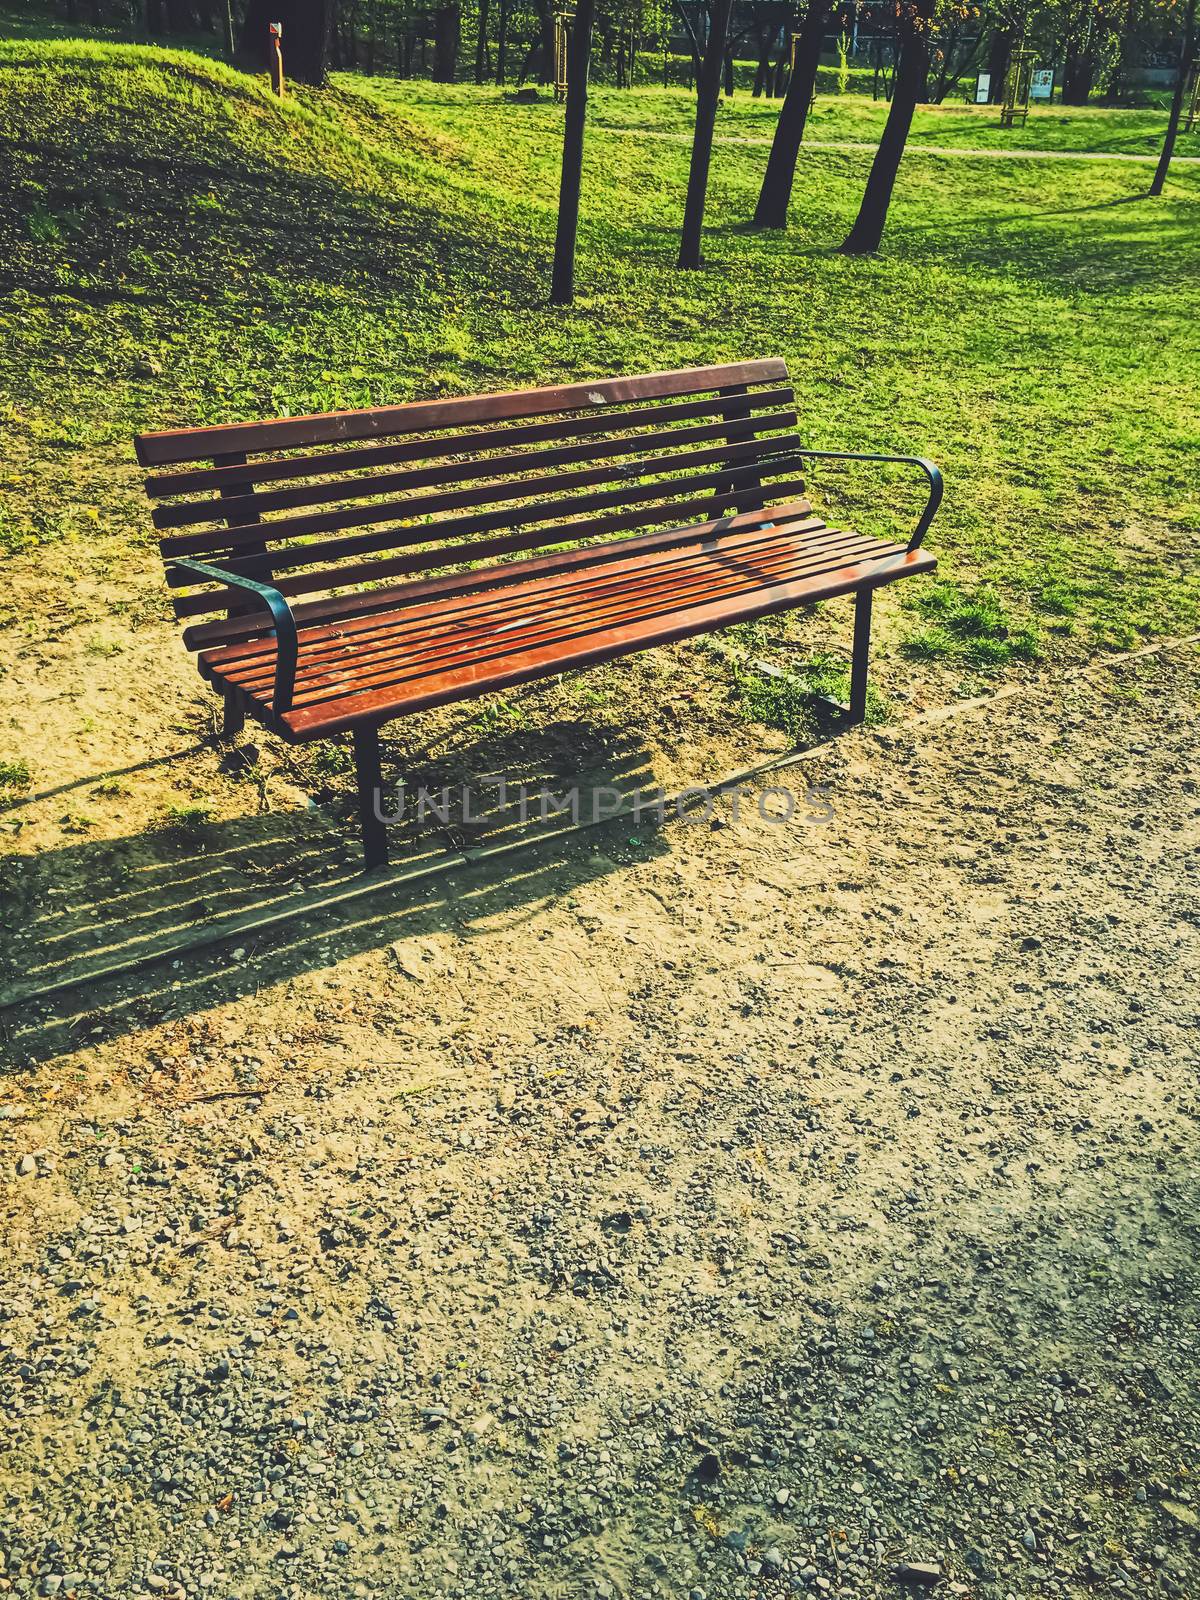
[338, 571]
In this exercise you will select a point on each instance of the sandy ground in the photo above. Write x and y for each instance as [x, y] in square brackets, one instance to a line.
[737, 1208]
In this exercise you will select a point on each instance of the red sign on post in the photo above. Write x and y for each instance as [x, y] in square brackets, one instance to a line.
[276, 31]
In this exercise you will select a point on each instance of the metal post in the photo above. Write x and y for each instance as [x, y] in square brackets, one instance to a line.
[276, 34]
[370, 782]
[862, 652]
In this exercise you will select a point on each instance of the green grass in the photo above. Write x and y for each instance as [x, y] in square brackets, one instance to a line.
[187, 819]
[796, 700]
[952, 125]
[974, 625]
[15, 777]
[176, 247]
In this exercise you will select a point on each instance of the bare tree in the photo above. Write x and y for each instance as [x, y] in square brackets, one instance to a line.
[1187, 41]
[579, 59]
[908, 85]
[709, 92]
[776, 192]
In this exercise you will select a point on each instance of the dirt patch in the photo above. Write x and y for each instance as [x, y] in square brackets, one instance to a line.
[740, 1209]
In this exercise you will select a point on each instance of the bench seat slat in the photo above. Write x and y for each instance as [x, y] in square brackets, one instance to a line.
[439, 598]
[567, 619]
[312, 613]
[201, 444]
[457, 629]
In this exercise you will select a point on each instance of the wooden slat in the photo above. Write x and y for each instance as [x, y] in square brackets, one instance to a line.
[448, 596]
[236, 508]
[409, 645]
[460, 625]
[206, 635]
[321, 463]
[397, 658]
[603, 644]
[533, 493]
[201, 444]
[448, 555]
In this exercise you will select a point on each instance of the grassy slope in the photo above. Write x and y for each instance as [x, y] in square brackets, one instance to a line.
[179, 247]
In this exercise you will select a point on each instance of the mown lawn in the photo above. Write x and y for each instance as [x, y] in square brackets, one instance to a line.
[176, 247]
[953, 125]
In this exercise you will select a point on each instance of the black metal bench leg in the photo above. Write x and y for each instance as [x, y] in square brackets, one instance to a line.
[370, 785]
[862, 653]
[235, 713]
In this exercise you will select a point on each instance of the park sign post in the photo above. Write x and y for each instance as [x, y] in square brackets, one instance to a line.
[1041, 84]
[983, 88]
[276, 32]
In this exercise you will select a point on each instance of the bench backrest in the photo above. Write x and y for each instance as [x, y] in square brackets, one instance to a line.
[349, 499]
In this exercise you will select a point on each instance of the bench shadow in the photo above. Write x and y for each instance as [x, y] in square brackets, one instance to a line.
[154, 899]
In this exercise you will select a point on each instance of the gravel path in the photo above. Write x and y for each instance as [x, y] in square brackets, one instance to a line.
[1001, 154]
[743, 1211]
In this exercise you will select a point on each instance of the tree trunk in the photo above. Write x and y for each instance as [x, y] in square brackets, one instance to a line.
[783, 68]
[306, 33]
[1185, 59]
[729, 84]
[310, 62]
[693, 40]
[1118, 78]
[447, 32]
[481, 42]
[1079, 68]
[776, 191]
[708, 92]
[579, 53]
[762, 73]
[908, 84]
[349, 15]
[999, 51]
[501, 40]
[545, 16]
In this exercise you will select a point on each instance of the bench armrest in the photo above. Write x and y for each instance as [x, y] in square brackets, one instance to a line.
[936, 486]
[286, 643]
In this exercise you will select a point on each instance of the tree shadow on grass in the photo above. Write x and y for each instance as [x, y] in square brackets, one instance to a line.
[125, 213]
[1116, 252]
[72, 912]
